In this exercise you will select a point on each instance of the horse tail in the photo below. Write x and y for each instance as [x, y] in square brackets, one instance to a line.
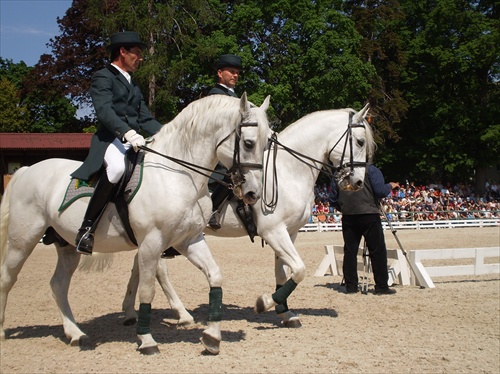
[97, 262]
[4, 213]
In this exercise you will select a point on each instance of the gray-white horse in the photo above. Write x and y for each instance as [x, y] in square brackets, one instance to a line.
[171, 207]
[341, 137]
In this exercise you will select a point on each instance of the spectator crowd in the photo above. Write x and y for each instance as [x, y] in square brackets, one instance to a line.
[422, 203]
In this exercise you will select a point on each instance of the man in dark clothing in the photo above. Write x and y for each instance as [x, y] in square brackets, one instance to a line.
[361, 218]
[228, 69]
[122, 114]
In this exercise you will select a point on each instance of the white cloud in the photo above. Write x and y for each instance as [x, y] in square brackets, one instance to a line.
[9, 30]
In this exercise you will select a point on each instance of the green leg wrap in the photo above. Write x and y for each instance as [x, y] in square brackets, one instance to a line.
[144, 320]
[283, 307]
[215, 304]
[282, 293]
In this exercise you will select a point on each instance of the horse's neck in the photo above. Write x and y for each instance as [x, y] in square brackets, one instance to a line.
[311, 137]
[178, 139]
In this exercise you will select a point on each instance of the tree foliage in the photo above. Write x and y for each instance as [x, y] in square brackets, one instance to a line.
[429, 68]
[452, 82]
[29, 107]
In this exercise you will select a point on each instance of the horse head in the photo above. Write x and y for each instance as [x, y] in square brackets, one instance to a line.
[357, 150]
[250, 141]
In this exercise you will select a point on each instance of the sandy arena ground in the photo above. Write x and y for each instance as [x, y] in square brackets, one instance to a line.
[453, 328]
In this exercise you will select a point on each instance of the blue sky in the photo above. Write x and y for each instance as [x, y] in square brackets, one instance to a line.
[26, 26]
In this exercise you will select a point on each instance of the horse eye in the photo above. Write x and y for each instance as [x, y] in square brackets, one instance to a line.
[361, 142]
[249, 144]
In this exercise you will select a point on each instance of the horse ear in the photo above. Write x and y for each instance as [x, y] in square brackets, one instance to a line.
[265, 104]
[361, 114]
[244, 104]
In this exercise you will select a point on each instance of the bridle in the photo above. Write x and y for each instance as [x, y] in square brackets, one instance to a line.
[345, 170]
[235, 172]
[341, 173]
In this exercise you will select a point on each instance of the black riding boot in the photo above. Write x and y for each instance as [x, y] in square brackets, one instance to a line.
[220, 194]
[98, 202]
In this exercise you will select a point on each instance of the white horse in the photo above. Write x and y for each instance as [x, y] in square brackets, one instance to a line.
[342, 137]
[171, 208]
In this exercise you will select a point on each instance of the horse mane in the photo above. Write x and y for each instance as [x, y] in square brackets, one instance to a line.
[192, 122]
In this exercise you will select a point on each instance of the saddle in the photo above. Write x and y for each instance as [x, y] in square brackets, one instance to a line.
[125, 191]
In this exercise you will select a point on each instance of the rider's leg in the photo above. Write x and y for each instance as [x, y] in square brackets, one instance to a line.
[98, 202]
[220, 194]
[115, 167]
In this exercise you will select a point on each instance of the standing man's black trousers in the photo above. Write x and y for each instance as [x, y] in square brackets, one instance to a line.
[369, 226]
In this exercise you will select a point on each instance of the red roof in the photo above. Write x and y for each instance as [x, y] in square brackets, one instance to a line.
[10, 140]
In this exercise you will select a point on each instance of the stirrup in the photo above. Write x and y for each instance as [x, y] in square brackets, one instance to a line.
[84, 241]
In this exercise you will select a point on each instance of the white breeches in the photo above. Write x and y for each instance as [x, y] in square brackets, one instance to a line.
[114, 159]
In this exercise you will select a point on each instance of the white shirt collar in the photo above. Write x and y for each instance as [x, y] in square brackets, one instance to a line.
[124, 73]
[229, 88]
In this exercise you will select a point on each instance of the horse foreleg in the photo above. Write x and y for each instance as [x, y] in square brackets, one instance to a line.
[148, 263]
[288, 318]
[286, 255]
[200, 256]
[67, 262]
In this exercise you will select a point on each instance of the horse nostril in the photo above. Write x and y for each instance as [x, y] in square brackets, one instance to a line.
[359, 183]
[251, 198]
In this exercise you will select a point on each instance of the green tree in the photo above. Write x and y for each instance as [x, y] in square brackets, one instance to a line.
[381, 24]
[451, 87]
[13, 115]
[305, 54]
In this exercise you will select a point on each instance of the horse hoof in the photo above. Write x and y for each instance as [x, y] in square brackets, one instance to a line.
[77, 342]
[185, 322]
[149, 351]
[292, 324]
[130, 322]
[263, 304]
[211, 344]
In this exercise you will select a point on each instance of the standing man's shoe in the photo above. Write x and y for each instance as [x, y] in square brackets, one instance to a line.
[384, 291]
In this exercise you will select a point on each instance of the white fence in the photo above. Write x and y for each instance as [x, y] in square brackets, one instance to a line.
[424, 273]
[401, 225]
[419, 273]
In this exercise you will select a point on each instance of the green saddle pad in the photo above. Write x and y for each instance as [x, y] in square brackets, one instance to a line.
[78, 188]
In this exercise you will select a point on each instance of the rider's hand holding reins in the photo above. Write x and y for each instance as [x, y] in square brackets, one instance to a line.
[135, 139]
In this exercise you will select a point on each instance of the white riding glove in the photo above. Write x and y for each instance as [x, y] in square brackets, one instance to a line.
[135, 139]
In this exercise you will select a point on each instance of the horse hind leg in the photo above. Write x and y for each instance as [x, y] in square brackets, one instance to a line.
[67, 262]
[184, 318]
[14, 258]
